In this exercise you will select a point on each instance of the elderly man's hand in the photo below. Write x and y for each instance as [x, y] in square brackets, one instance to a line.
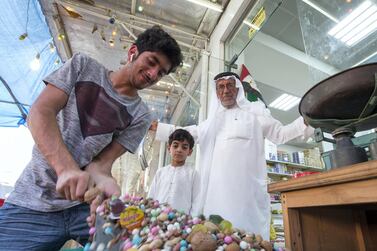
[306, 122]
[153, 126]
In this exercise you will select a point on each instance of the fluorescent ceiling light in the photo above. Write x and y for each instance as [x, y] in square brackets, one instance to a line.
[207, 4]
[186, 65]
[285, 102]
[320, 10]
[357, 25]
[363, 34]
[349, 18]
[167, 83]
[251, 25]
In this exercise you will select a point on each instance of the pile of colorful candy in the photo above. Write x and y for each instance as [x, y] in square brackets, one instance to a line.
[146, 225]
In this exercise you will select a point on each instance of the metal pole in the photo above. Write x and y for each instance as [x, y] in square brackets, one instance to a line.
[184, 89]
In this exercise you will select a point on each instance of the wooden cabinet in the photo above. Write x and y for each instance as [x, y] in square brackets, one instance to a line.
[333, 210]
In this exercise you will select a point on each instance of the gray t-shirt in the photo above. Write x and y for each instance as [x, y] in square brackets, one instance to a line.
[95, 114]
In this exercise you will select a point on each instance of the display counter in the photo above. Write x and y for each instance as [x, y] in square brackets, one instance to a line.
[333, 210]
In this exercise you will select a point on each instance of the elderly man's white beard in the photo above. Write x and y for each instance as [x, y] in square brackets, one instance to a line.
[215, 104]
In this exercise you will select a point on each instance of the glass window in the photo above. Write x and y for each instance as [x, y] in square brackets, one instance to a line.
[299, 43]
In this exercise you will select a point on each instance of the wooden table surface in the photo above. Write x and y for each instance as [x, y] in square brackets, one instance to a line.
[333, 210]
[361, 171]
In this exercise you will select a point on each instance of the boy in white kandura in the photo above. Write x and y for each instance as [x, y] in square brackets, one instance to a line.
[177, 184]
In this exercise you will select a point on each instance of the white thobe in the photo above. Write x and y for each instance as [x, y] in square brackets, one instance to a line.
[236, 187]
[177, 186]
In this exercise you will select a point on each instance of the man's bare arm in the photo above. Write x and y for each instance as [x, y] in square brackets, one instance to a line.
[72, 182]
[100, 167]
[100, 172]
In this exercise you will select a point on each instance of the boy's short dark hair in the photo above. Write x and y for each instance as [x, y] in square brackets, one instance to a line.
[181, 135]
[157, 40]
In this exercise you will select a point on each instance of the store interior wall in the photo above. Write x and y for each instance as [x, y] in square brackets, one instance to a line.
[278, 70]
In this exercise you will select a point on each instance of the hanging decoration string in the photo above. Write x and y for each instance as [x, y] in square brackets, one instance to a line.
[25, 35]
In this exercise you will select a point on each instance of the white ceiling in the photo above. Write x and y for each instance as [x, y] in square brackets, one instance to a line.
[284, 24]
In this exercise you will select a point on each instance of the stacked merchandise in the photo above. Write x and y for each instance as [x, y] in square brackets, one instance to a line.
[277, 168]
[309, 157]
[277, 224]
[134, 223]
[313, 157]
[284, 156]
[274, 197]
[298, 157]
[270, 150]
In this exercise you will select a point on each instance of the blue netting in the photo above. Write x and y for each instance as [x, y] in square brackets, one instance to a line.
[16, 55]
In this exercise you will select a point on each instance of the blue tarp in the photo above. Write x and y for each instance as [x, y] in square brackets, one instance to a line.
[19, 84]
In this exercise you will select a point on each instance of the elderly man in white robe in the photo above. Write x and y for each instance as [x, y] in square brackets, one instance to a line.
[232, 166]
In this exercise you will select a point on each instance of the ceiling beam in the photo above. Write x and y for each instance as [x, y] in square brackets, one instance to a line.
[133, 7]
[85, 8]
[178, 41]
[181, 35]
[59, 26]
[192, 84]
[184, 89]
[160, 93]
[208, 4]
[105, 17]
[128, 30]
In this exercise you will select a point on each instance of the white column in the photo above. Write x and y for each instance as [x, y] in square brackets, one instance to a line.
[203, 99]
[161, 156]
[204, 87]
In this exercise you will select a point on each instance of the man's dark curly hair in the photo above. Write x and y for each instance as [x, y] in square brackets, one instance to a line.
[157, 40]
[181, 135]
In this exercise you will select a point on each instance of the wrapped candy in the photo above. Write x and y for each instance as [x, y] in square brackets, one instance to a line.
[133, 223]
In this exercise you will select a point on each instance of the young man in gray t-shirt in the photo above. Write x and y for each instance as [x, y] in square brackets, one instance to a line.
[85, 118]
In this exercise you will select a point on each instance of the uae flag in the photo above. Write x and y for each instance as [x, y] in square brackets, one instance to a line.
[251, 91]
